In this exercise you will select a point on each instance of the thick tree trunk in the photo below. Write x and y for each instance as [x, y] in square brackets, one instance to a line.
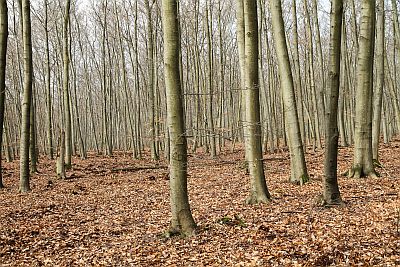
[363, 163]
[3, 64]
[331, 193]
[182, 220]
[24, 185]
[298, 164]
[259, 191]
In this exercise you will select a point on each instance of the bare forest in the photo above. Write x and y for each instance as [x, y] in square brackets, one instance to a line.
[199, 133]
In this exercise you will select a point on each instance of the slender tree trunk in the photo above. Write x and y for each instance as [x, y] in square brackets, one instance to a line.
[378, 92]
[259, 192]
[331, 193]
[33, 155]
[3, 64]
[297, 161]
[315, 98]
[151, 87]
[320, 57]
[66, 96]
[48, 88]
[298, 81]
[60, 157]
[210, 119]
[27, 97]
[241, 50]
[182, 220]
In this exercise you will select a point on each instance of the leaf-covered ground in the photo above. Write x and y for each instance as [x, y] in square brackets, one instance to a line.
[106, 216]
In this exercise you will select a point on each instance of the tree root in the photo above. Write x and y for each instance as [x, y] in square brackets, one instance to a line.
[358, 172]
[256, 199]
[327, 203]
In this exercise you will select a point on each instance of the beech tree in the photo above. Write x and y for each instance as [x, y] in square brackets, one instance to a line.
[380, 79]
[27, 96]
[3, 64]
[298, 167]
[259, 191]
[363, 163]
[331, 193]
[182, 221]
[66, 95]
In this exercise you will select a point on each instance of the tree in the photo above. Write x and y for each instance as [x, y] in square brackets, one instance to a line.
[331, 193]
[298, 81]
[66, 97]
[182, 221]
[380, 66]
[48, 83]
[362, 162]
[27, 96]
[151, 76]
[210, 65]
[241, 47]
[259, 191]
[297, 161]
[3, 60]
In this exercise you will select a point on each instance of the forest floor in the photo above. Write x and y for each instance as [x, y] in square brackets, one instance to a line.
[103, 215]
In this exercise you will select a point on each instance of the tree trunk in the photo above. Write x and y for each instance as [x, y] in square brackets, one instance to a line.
[378, 93]
[182, 221]
[66, 96]
[315, 99]
[33, 155]
[48, 88]
[241, 48]
[26, 98]
[298, 82]
[331, 193]
[210, 115]
[297, 161]
[363, 164]
[151, 72]
[60, 157]
[259, 191]
[3, 64]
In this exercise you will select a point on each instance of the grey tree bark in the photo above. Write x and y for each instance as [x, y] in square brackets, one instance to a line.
[298, 81]
[48, 88]
[3, 64]
[151, 73]
[297, 161]
[259, 192]
[66, 95]
[362, 162]
[380, 68]
[24, 185]
[182, 221]
[331, 193]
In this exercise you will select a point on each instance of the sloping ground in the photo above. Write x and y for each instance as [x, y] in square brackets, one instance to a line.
[100, 217]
